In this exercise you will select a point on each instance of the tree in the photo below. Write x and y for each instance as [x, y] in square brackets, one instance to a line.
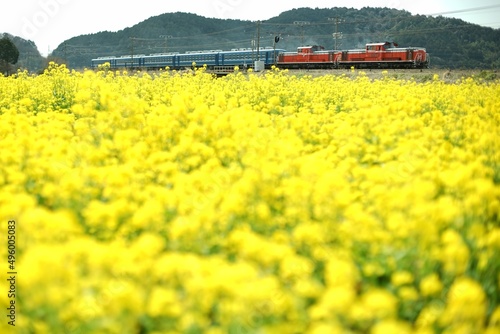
[9, 54]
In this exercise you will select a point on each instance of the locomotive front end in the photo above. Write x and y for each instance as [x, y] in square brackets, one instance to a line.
[421, 58]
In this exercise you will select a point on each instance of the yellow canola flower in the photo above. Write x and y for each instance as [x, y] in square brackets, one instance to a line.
[494, 324]
[431, 285]
[379, 304]
[334, 301]
[408, 293]
[391, 327]
[401, 278]
[455, 255]
[164, 302]
[276, 202]
[341, 272]
[465, 305]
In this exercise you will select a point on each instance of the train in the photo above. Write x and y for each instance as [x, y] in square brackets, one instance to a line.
[235, 57]
[374, 55]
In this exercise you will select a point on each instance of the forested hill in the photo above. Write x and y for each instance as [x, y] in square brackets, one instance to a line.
[29, 56]
[452, 43]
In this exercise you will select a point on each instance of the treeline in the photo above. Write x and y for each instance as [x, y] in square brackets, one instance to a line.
[452, 43]
[27, 55]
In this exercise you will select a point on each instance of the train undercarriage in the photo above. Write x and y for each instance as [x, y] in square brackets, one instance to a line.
[358, 65]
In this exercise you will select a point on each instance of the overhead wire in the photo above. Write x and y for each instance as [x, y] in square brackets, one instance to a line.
[474, 9]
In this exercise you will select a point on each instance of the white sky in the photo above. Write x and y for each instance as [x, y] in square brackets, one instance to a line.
[50, 22]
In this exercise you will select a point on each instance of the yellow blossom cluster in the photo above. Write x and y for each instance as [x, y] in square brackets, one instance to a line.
[269, 202]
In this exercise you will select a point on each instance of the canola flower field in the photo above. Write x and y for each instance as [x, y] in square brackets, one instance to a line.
[254, 203]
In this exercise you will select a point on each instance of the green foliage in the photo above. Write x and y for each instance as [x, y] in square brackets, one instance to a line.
[29, 57]
[9, 55]
[8, 51]
[488, 75]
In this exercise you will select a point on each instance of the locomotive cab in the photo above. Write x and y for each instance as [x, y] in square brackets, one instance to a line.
[309, 49]
[370, 47]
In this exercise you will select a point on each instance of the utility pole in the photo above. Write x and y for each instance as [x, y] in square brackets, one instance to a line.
[336, 35]
[132, 49]
[254, 42]
[259, 65]
[258, 40]
[166, 37]
[302, 24]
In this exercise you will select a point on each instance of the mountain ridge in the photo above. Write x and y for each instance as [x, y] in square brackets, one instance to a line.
[452, 43]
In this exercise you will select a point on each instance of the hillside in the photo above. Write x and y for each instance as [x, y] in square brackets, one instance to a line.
[29, 57]
[452, 43]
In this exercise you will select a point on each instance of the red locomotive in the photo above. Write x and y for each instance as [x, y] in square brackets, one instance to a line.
[375, 55]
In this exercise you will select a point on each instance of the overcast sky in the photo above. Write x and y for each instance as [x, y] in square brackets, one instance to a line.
[50, 22]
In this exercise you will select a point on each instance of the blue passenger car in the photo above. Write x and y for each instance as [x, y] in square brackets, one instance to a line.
[211, 58]
[129, 61]
[160, 60]
[120, 62]
[248, 56]
[102, 60]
